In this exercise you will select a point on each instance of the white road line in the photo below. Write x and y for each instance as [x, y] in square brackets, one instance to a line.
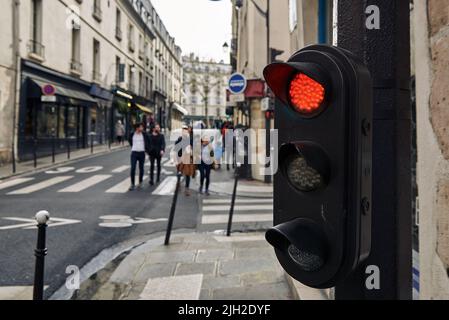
[237, 201]
[123, 186]
[223, 218]
[217, 208]
[85, 184]
[41, 185]
[12, 183]
[167, 187]
[121, 169]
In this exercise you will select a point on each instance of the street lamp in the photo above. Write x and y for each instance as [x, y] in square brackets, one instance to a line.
[226, 45]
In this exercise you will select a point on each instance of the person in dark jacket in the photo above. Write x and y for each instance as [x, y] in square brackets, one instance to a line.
[140, 144]
[156, 152]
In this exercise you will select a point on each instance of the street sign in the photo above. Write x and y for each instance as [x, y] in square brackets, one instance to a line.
[235, 98]
[237, 83]
[48, 98]
[48, 90]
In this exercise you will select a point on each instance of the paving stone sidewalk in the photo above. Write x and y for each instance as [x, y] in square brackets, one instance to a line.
[199, 266]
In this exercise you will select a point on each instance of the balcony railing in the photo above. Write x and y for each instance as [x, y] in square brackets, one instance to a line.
[76, 67]
[36, 50]
[118, 34]
[97, 13]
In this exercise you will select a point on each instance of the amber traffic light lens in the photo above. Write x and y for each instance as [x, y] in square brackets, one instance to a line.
[302, 176]
[306, 94]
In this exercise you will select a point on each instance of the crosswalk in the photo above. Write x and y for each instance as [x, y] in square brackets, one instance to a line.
[249, 214]
[80, 181]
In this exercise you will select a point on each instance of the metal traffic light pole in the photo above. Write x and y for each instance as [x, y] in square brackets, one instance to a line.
[387, 54]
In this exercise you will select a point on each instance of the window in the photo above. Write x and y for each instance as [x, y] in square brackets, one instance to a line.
[117, 70]
[293, 14]
[131, 38]
[141, 88]
[118, 25]
[35, 45]
[97, 14]
[96, 61]
[75, 64]
[71, 122]
[46, 121]
[61, 122]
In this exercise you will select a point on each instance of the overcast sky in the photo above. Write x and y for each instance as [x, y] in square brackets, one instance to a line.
[199, 26]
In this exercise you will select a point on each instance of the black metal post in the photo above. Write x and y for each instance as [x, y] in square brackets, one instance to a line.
[91, 143]
[42, 218]
[234, 195]
[53, 156]
[68, 149]
[35, 152]
[13, 155]
[387, 54]
[173, 210]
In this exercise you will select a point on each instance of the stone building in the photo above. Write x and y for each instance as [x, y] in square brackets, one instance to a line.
[431, 68]
[71, 68]
[205, 84]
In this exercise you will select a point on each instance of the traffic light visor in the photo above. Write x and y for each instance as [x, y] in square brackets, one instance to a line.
[302, 86]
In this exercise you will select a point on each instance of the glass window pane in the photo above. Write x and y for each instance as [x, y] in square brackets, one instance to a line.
[61, 133]
[71, 122]
[46, 121]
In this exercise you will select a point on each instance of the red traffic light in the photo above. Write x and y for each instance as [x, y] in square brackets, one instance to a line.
[306, 94]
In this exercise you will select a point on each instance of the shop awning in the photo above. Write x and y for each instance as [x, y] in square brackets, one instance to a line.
[180, 109]
[65, 92]
[144, 109]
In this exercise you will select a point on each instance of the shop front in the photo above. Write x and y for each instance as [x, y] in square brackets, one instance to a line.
[56, 112]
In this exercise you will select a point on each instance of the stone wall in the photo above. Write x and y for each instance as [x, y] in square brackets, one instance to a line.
[431, 39]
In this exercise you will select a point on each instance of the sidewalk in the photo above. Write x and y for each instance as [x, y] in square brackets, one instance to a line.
[197, 267]
[46, 162]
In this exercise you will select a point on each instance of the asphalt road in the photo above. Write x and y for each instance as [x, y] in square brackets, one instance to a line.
[81, 192]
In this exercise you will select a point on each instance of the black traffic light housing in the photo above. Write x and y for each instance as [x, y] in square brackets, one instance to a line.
[322, 190]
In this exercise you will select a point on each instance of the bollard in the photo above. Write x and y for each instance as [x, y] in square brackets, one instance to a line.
[68, 149]
[172, 211]
[234, 195]
[35, 152]
[53, 157]
[92, 144]
[42, 217]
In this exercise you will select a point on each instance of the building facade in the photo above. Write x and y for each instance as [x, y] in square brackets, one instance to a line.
[261, 29]
[73, 68]
[205, 84]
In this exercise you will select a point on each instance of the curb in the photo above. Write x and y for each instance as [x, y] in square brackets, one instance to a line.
[57, 164]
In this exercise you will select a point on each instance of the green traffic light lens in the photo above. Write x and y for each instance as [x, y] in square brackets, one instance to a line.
[306, 260]
[302, 176]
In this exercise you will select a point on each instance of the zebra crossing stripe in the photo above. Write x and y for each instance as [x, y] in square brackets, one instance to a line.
[41, 185]
[123, 186]
[121, 169]
[223, 218]
[237, 201]
[167, 187]
[13, 183]
[85, 184]
[217, 208]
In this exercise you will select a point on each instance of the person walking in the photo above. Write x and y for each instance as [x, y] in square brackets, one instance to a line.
[156, 152]
[120, 131]
[206, 165]
[139, 142]
[186, 166]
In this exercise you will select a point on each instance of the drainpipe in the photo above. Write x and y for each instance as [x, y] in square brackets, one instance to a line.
[16, 54]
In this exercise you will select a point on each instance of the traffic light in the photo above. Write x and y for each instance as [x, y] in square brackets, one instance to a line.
[322, 190]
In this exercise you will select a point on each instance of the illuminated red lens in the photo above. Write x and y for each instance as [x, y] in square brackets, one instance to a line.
[306, 94]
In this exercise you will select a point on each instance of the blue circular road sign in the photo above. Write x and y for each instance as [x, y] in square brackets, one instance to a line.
[237, 83]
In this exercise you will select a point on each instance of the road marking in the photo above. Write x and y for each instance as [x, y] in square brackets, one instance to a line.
[167, 187]
[60, 170]
[217, 208]
[223, 218]
[90, 169]
[41, 185]
[85, 184]
[121, 169]
[29, 224]
[123, 186]
[118, 221]
[13, 183]
[169, 164]
[237, 201]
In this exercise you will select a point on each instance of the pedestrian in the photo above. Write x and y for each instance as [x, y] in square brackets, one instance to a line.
[206, 165]
[140, 145]
[186, 166]
[120, 131]
[156, 152]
